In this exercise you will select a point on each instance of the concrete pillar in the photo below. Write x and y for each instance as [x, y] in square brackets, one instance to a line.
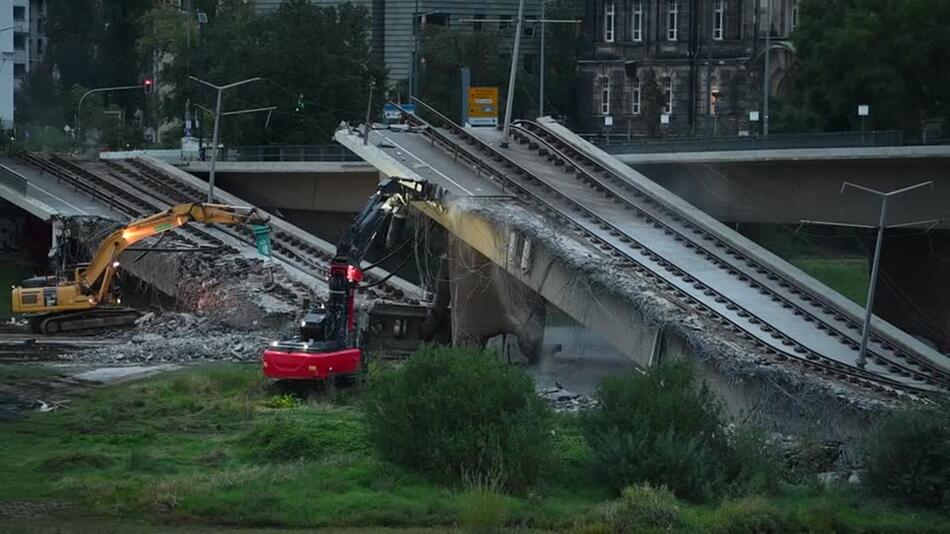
[487, 301]
[913, 290]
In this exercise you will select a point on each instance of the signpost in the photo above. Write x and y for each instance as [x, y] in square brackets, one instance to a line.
[391, 111]
[483, 106]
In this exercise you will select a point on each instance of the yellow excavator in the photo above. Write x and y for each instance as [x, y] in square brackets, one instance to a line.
[86, 299]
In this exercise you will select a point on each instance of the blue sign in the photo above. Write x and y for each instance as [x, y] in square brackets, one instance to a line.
[391, 111]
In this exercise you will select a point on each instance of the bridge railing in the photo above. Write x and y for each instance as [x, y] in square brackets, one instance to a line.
[622, 143]
[328, 153]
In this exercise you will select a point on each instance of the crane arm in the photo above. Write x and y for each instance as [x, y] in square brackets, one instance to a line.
[103, 264]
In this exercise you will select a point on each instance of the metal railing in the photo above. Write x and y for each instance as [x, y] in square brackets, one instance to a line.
[623, 144]
[328, 153]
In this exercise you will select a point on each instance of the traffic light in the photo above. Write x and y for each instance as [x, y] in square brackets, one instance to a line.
[147, 85]
[300, 104]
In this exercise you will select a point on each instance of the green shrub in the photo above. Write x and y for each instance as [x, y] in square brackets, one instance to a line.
[751, 514]
[907, 458]
[640, 509]
[666, 428]
[482, 510]
[282, 439]
[283, 402]
[460, 412]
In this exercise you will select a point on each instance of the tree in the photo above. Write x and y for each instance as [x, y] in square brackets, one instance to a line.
[315, 62]
[565, 44]
[652, 101]
[888, 54]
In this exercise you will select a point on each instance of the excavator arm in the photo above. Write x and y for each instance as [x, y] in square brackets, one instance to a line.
[103, 266]
[324, 345]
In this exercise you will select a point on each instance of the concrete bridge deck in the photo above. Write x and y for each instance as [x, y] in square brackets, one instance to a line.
[761, 298]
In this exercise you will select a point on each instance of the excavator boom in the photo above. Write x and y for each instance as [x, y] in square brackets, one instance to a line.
[81, 302]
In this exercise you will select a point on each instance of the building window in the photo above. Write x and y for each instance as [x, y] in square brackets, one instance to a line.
[668, 96]
[609, 12]
[719, 11]
[19, 70]
[636, 21]
[672, 14]
[635, 100]
[39, 47]
[794, 14]
[505, 22]
[713, 97]
[605, 96]
[19, 13]
[19, 41]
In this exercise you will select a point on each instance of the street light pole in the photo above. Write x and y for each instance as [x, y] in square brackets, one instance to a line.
[97, 90]
[765, 77]
[217, 116]
[876, 265]
[541, 84]
[514, 72]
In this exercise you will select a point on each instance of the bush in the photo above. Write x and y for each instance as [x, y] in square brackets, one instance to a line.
[641, 508]
[282, 439]
[907, 458]
[666, 428]
[751, 514]
[460, 413]
[482, 509]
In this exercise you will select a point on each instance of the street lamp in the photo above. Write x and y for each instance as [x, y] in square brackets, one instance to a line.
[217, 116]
[98, 90]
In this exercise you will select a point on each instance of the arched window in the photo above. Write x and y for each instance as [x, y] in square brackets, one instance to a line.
[636, 21]
[672, 20]
[668, 96]
[635, 97]
[605, 96]
[719, 19]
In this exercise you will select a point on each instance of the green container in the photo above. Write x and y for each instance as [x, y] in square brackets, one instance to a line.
[262, 239]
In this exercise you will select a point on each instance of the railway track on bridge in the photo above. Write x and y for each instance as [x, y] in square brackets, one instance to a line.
[781, 319]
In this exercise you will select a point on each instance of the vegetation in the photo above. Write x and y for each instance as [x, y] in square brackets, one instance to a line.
[202, 447]
[666, 428]
[875, 52]
[908, 458]
[461, 414]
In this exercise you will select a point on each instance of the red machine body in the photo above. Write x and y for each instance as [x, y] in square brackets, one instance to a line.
[291, 365]
[327, 342]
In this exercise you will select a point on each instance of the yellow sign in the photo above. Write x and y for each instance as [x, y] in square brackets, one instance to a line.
[483, 106]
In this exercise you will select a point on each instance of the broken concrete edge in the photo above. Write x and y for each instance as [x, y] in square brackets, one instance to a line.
[696, 216]
[284, 167]
[36, 208]
[731, 360]
[409, 289]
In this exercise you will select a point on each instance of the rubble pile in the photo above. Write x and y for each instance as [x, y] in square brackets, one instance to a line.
[563, 400]
[181, 338]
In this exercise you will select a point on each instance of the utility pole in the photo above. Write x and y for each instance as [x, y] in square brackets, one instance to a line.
[415, 53]
[369, 110]
[217, 119]
[876, 262]
[709, 70]
[541, 84]
[514, 72]
[765, 76]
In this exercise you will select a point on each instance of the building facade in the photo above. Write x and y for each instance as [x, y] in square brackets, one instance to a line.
[396, 25]
[681, 67]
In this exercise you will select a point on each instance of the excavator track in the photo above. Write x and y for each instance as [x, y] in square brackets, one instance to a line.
[55, 323]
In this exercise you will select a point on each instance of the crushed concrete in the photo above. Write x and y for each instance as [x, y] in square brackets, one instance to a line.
[114, 375]
[182, 338]
[784, 391]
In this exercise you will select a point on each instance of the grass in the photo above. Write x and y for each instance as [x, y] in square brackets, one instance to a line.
[11, 373]
[850, 277]
[204, 447]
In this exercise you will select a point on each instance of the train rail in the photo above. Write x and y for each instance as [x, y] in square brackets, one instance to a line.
[693, 265]
[285, 245]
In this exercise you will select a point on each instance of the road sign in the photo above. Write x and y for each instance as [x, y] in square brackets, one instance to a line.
[391, 111]
[864, 110]
[483, 106]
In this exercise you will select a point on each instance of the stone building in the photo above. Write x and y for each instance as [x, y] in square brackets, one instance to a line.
[681, 67]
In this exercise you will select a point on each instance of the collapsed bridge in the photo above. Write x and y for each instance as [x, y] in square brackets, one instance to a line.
[626, 258]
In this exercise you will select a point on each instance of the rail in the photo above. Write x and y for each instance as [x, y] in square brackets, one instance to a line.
[697, 295]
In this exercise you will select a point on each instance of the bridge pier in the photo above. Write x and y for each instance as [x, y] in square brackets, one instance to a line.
[913, 289]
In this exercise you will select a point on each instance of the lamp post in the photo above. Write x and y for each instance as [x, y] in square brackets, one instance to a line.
[765, 77]
[217, 116]
[876, 262]
[98, 90]
[514, 72]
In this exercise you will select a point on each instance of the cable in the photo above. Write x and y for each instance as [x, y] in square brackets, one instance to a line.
[388, 276]
[389, 255]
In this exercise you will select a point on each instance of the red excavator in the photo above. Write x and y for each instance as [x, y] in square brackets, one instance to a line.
[327, 343]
